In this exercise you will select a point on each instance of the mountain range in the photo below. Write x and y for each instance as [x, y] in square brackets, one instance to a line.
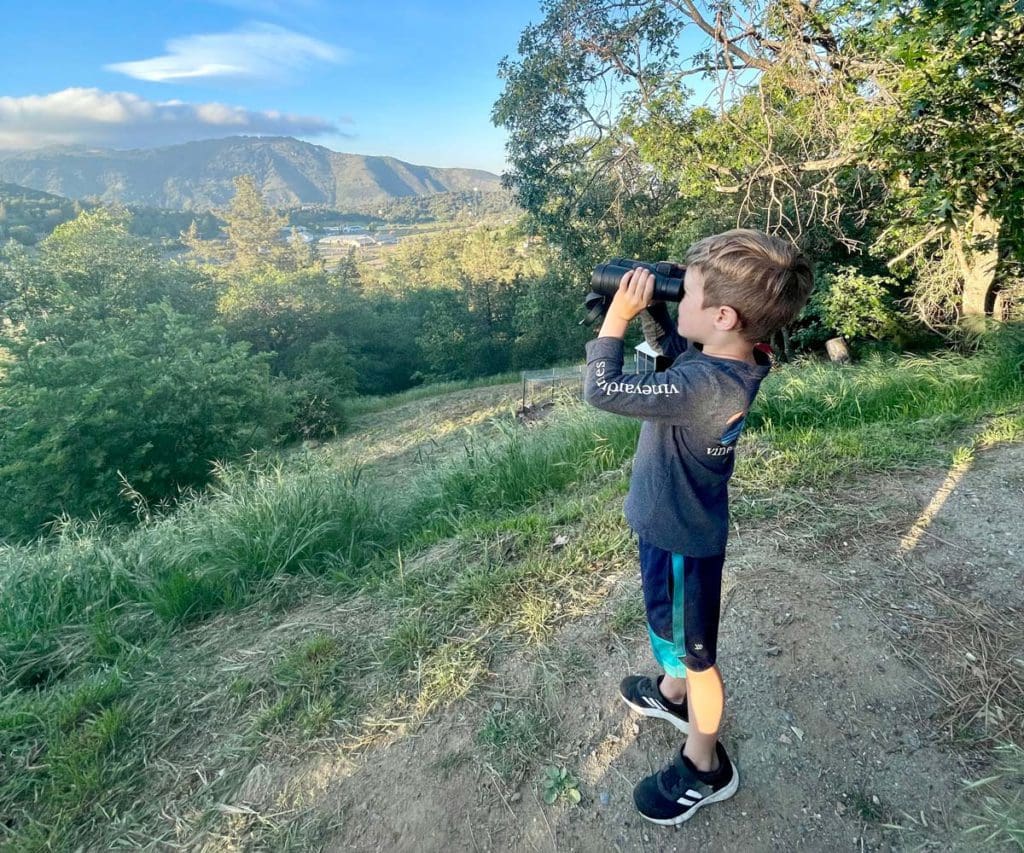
[199, 175]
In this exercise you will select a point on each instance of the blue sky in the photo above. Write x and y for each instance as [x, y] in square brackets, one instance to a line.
[413, 80]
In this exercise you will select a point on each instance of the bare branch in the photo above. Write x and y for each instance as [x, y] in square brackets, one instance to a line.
[828, 163]
[719, 36]
[931, 235]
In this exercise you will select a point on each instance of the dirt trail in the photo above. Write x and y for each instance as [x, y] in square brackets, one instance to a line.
[832, 719]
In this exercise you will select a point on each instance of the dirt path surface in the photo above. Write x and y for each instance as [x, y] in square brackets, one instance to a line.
[838, 627]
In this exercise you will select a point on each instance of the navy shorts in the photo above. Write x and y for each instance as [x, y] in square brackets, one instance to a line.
[682, 596]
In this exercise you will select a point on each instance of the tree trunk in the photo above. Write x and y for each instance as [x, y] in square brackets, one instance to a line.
[977, 253]
[781, 345]
[787, 345]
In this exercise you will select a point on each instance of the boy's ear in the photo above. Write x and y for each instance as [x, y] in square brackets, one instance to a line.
[727, 319]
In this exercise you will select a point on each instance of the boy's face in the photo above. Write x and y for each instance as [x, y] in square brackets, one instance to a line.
[695, 321]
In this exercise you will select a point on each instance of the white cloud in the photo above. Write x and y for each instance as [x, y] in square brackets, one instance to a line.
[255, 52]
[125, 120]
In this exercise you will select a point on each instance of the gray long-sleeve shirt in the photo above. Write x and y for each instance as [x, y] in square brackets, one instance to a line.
[692, 415]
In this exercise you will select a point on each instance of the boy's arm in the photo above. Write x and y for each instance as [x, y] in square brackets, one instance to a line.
[665, 395]
[659, 395]
[660, 332]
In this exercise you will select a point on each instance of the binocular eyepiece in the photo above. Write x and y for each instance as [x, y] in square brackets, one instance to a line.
[605, 279]
[668, 278]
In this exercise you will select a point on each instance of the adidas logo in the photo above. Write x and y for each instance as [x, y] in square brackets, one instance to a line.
[654, 703]
[689, 798]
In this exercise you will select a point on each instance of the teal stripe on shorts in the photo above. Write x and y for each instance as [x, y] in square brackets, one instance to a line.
[667, 657]
[670, 655]
[678, 616]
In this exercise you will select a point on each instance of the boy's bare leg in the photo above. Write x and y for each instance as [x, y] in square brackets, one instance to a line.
[672, 688]
[705, 699]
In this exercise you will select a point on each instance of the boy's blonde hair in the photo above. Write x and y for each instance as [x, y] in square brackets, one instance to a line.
[765, 279]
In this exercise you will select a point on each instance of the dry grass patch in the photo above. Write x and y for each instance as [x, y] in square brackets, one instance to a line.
[975, 654]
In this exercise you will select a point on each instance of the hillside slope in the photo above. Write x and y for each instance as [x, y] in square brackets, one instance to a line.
[410, 697]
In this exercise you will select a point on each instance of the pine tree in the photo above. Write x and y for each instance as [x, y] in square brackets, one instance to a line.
[302, 253]
[253, 229]
[192, 241]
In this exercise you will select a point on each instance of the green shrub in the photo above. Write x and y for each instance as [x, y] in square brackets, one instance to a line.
[860, 306]
[317, 407]
[154, 401]
[258, 521]
[888, 389]
[331, 357]
[849, 302]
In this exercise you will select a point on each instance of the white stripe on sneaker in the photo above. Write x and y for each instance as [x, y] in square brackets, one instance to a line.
[692, 793]
[654, 703]
[685, 802]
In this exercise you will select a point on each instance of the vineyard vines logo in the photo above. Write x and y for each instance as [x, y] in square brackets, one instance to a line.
[720, 451]
[629, 388]
[727, 443]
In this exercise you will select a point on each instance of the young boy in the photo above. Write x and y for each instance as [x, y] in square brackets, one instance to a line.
[740, 286]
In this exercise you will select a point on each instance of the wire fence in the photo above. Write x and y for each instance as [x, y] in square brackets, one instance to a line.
[545, 386]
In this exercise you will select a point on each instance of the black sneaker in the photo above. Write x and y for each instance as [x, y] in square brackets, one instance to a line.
[644, 696]
[673, 794]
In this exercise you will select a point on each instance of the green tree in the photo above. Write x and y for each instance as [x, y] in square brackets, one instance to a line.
[199, 248]
[113, 368]
[91, 268]
[949, 135]
[275, 295]
[471, 284]
[606, 146]
[254, 231]
[448, 341]
[829, 119]
[546, 315]
[302, 255]
[284, 313]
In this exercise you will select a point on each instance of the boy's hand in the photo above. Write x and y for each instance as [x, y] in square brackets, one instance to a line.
[634, 294]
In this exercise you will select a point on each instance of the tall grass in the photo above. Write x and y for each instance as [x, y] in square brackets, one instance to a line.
[501, 476]
[260, 521]
[57, 603]
[75, 600]
[68, 603]
[891, 388]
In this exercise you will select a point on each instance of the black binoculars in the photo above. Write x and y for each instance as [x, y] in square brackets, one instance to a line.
[668, 278]
[605, 279]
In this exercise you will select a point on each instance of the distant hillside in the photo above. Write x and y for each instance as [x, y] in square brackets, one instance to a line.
[198, 175]
[28, 215]
[11, 193]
